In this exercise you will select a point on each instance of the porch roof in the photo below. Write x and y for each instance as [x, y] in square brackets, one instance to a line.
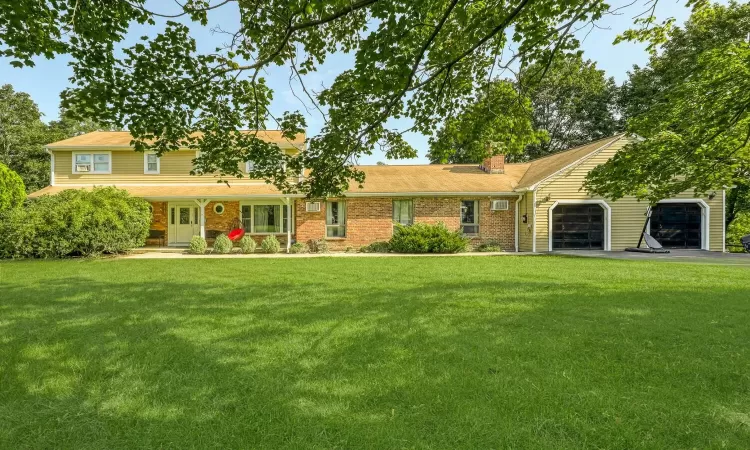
[218, 191]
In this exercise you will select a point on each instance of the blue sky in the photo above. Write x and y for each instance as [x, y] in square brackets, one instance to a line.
[48, 78]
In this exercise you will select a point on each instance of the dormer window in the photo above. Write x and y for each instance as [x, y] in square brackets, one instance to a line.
[84, 163]
[151, 163]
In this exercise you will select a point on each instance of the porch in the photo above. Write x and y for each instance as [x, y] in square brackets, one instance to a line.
[175, 221]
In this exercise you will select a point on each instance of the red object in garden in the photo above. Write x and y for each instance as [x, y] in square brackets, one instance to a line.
[236, 234]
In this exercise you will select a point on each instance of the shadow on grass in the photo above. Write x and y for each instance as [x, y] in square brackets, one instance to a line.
[336, 361]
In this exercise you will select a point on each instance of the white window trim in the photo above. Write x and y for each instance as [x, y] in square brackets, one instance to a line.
[92, 153]
[346, 213]
[705, 218]
[249, 169]
[274, 202]
[145, 164]
[476, 216]
[607, 219]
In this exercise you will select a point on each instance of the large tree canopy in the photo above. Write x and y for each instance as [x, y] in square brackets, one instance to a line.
[23, 135]
[417, 59]
[573, 102]
[691, 106]
[498, 121]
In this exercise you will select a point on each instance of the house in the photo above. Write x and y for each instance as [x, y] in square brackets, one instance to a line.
[536, 206]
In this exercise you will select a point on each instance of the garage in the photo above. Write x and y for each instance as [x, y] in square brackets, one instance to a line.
[578, 227]
[677, 225]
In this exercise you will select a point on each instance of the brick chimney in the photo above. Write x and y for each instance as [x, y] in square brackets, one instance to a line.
[494, 164]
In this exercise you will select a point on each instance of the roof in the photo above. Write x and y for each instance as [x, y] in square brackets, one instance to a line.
[436, 178]
[219, 190]
[123, 138]
[541, 168]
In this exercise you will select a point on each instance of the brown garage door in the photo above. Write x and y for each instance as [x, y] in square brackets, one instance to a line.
[677, 225]
[578, 227]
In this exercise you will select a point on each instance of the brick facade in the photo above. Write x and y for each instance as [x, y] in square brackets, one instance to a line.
[159, 221]
[370, 220]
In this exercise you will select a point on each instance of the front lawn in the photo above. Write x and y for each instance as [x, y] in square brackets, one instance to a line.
[455, 352]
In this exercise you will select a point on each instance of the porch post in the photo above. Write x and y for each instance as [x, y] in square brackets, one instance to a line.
[288, 224]
[202, 204]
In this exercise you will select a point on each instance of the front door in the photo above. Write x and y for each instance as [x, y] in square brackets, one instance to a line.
[183, 223]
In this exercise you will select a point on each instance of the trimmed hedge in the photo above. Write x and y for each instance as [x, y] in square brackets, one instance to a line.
[12, 190]
[198, 245]
[223, 244]
[75, 223]
[270, 245]
[426, 238]
[247, 245]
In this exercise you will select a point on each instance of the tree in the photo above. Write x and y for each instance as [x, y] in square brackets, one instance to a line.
[497, 121]
[691, 106]
[572, 100]
[12, 191]
[23, 136]
[416, 59]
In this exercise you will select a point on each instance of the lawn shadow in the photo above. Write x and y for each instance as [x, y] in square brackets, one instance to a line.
[444, 364]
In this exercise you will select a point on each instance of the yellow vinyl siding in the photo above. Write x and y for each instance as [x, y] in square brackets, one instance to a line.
[525, 206]
[628, 214]
[128, 168]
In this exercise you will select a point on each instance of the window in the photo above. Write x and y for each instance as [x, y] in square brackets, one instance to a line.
[151, 163]
[403, 212]
[92, 163]
[249, 166]
[265, 219]
[470, 216]
[219, 208]
[335, 219]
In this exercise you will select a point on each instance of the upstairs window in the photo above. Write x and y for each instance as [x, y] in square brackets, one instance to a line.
[92, 163]
[403, 212]
[470, 216]
[249, 166]
[151, 163]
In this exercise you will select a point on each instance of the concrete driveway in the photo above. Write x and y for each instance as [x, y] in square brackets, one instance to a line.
[691, 256]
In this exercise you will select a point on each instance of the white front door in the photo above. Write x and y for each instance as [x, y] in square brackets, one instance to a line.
[183, 223]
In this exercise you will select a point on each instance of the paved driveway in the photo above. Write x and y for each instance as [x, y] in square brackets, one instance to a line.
[692, 256]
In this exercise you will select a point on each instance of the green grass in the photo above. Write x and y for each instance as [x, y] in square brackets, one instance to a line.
[459, 352]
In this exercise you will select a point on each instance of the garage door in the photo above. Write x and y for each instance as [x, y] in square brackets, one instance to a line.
[578, 227]
[677, 225]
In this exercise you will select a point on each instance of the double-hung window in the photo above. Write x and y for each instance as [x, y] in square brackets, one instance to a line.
[335, 219]
[92, 162]
[470, 216]
[249, 166]
[151, 163]
[403, 212]
[265, 219]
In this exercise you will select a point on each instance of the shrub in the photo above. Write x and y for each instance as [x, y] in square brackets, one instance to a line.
[318, 245]
[739, 227]
[75, 222]
[298, 247]
[270, 244]
[223, 244]
[491, 246]
[376, 247]
[12, 190]
[426, 238]
[247, 245]
[197, 245]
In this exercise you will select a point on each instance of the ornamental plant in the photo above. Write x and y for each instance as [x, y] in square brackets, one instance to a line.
[427, 238]
[197, 245]
[270, 244]
[247, 245]
[298, 247]
[222, 244]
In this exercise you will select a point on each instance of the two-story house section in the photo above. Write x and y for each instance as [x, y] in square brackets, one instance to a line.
[536, 206]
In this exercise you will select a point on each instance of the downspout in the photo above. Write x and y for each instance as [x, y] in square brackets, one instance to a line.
[288, 224]
[517, 225]
[533, 223]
